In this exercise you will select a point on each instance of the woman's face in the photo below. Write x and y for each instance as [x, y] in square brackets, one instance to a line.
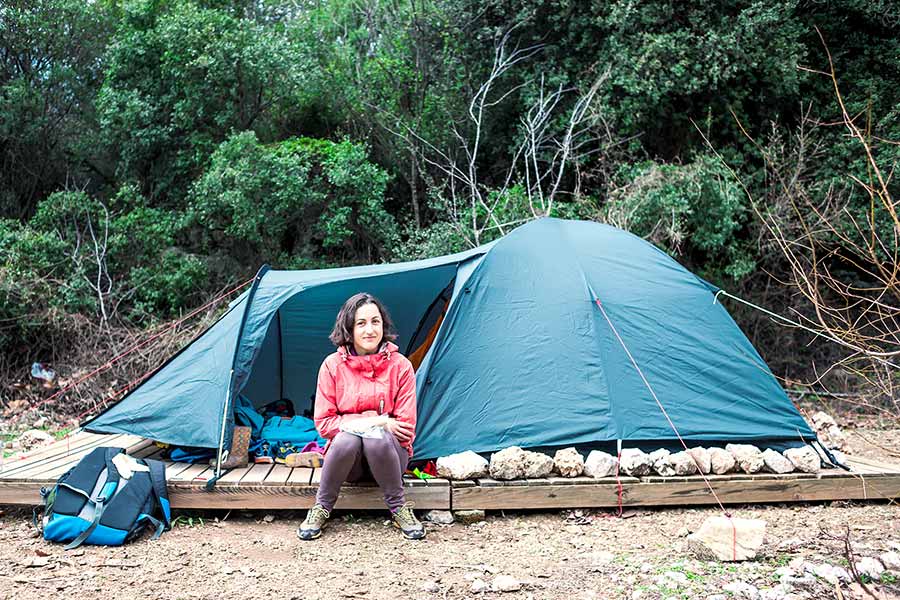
[367, 329]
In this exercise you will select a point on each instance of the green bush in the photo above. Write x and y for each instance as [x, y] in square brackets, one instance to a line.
[694, 211]
[300, 198]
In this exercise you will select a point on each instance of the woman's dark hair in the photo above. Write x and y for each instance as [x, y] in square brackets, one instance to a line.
[342, 334]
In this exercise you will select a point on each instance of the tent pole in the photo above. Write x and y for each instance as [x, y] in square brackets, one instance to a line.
[219, 458]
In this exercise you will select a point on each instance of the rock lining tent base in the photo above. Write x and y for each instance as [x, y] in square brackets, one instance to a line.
[513, 350]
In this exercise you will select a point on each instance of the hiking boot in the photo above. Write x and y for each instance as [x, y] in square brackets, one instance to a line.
[312, 525]
[406, 522]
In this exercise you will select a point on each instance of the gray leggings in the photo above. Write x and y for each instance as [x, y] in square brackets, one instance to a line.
[385, 458]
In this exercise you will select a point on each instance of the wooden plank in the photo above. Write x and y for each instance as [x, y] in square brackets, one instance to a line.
[278, 475]
[61, 446]
[194, 472]
[60, 453]
[60, 470]
[300, 476]
[316, 477]
[736, 491]
[435, 481]
[413, 481]
[234, 476]
[57, 466]
[299, 497]
[174, 468]
[257, 474]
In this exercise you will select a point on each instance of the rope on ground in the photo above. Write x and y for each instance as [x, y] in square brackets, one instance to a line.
[108, 365]
[672, 425]
[874, 356]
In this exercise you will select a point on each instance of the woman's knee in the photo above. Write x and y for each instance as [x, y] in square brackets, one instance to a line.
[380, 445]
[345, 443]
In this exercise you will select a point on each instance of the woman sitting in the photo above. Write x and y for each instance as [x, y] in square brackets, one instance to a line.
[366, 408]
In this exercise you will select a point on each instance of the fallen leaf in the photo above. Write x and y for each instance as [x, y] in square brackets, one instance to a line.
[40, 552]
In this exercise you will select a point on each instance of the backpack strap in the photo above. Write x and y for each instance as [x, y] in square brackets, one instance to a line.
[158, 483]
[100, 500]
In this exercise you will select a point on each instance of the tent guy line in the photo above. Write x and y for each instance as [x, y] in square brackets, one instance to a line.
[874, 356]
[674, 429]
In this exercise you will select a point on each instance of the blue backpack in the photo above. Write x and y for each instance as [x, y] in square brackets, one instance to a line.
[92, 503]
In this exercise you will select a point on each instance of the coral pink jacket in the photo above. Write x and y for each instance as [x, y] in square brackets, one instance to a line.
[351, 387]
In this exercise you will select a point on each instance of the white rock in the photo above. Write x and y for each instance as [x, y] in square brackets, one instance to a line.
[829, 573]
[776, 462]
[870, 567]
[828, 431]
[748, 457]
[721, 461]
[505, 583]
[635, 462]
[891, 560]
[676, 577]
[600, 464]
[721, 538]
[509, 463]
[431, 587]
[804, 459]
[537, 465]
[778, 592]
[478, 586]
[35, 437]
[568, 462]
[782, 572]
[661, 464]
[683, 463]
[701, 455]
[739, 589]
[464, 465]
[442, 517]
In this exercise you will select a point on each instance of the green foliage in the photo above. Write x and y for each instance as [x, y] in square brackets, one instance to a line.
[301, 197]
[694, 211]
[181, 77]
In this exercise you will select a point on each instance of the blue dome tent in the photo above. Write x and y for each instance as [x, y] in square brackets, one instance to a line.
[515, 350]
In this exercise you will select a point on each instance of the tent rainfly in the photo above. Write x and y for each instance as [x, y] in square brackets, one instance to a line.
[515, 343]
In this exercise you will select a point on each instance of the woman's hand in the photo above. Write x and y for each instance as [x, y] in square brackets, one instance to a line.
[402, 431]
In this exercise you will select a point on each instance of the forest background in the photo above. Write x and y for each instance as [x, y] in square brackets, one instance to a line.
[156, 152]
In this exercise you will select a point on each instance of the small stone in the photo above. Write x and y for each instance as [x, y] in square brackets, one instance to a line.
[721, 538]
[804, 459]
[828, 573]
[776, 462]
[635, 462]
[469, 517]
[269, 518]
[461, 466]
[660, 460]
[721, 461]
[431, 587]
[441, 517]
[600, 464]
[537, 465]
[35, 437]
[676, 577]
[683, 532]
[748, 457]
[683, 463]
[509, 463]
[568, 462]
[478, 586]
[739, 589]
[702, 458]
[891, 560]
[870, 567]
[41, 423]
[782, 572]
[778, 592]
[505, 583]
[828, 431]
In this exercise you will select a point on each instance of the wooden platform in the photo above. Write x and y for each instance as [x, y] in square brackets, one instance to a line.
[277, 486]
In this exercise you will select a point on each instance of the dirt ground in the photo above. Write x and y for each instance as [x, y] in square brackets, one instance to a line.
[578, 555]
